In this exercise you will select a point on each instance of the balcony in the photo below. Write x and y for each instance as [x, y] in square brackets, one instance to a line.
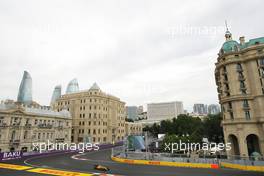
[246, 107]
[46, 126]
[238, 121]
[15, 125]
[60, 127]
[227, 91]
[229, 110]
[14, 142]
[3, 125]
[239, 69]
[58, 140]
[241, 78]
[243, 88]
[225, 81]
[27, 125]
[224, 73]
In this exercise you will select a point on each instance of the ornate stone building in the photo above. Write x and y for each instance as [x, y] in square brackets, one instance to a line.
[239, 75]
[133, 128]
[97, 116]
[21, 126]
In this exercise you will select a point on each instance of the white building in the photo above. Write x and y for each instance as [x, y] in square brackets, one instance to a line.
[200, 109]
[132, 112]
[213, 109]
[164, 110]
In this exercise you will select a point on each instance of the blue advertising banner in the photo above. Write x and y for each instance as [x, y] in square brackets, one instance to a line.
[10, 155]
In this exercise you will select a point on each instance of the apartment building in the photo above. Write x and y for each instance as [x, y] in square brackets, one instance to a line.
[239, 76]
[97, 116]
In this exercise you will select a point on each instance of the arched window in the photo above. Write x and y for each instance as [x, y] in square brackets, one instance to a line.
[235, 48]
[261, 61]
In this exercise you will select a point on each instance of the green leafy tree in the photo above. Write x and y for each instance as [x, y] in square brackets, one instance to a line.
[213, 129]
[190, 128]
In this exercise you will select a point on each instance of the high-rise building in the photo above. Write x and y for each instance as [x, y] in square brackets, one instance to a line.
[56, 94]
[25, 89]
[140, 110]
[213, 109]
[73, 86]
[97, 116]
[165, 110]
[239, 76]
[132, 112]
[200, 109]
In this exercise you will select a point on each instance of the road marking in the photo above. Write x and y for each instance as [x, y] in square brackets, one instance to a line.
[13, 166]
[76, 157]
[57, 172]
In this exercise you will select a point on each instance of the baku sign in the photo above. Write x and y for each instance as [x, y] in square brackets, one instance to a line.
[10, 155]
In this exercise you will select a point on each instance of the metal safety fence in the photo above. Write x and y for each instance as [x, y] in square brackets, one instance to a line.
[212, 159]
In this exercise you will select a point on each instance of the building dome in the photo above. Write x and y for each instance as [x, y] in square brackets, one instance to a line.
[73, 86]
[95, 87]
[230, 45]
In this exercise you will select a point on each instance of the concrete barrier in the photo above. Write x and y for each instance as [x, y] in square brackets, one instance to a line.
[242, 167]
[166, 163]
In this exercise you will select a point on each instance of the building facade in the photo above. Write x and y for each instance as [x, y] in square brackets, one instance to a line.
[21, 126]
[213, 109]
[200, 108]
[133, 128]
[97, 116]
[239, 76]
[166, 110]
[132, 112]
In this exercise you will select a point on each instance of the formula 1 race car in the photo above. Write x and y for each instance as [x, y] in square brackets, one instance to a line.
[101, 168]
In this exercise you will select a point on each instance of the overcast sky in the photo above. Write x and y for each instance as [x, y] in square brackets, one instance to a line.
[140, 51]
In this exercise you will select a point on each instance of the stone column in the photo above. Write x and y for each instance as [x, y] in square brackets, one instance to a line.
[261, 141]
[242, 145]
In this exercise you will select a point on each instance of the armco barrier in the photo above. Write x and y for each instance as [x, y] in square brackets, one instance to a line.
[242, 167]
[166, 163]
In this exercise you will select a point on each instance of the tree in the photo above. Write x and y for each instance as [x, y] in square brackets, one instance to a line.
[213, 129]
[192, 127]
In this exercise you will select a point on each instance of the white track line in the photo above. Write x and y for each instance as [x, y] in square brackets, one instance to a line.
[26, 162]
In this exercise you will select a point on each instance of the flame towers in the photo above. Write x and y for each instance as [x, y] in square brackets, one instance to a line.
[56, 94]
[25, 89]
[73, 86]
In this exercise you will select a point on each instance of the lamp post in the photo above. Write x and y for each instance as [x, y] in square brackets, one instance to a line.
[146, 144]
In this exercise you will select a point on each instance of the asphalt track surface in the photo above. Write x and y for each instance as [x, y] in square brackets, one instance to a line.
[85, 164]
